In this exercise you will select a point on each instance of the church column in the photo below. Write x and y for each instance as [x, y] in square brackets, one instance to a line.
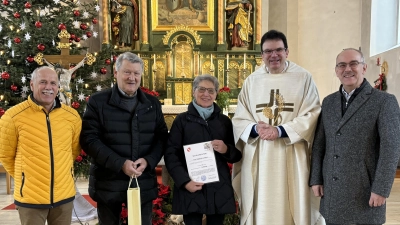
[169, 66]
[106, 37]
[220, 23]
[145, 37]
[258, 24]
[196, 63]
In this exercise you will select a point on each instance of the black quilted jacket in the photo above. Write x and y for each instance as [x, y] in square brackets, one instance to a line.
[190, 128]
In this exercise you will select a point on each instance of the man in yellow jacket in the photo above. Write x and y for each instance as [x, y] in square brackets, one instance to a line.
[39, 142]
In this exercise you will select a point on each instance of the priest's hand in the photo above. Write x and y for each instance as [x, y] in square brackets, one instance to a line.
[266, 131]
[376, 200]
[219, 146]
[194, 186]
[318, 190]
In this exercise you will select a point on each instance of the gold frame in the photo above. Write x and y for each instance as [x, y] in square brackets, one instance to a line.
[156, 27]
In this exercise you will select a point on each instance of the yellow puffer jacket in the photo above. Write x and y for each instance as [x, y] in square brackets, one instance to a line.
[38, 150]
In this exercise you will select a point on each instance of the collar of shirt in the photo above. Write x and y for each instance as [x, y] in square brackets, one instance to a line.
[126, 95]
[347, 95]
[286, 66]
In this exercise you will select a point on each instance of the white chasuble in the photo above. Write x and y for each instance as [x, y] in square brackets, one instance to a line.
[271, 180]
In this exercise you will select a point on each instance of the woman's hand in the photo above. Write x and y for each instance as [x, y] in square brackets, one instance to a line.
[219, 146]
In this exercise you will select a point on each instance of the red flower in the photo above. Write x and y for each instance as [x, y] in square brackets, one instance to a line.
[148, 91]
[83, 153]
[163, 190]
[79, 158]
[230, 167]
[225, 89]
[157, 202]
[159, 213]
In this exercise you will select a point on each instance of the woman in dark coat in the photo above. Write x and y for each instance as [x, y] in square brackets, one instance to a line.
[202, 122]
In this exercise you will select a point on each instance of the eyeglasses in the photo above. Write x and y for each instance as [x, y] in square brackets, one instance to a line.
[270, 51]
[210, 91]
[352, 64]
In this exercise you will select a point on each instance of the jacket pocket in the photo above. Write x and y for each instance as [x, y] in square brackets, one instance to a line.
[22, 185]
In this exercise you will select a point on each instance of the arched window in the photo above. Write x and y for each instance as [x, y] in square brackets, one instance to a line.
[385, 26]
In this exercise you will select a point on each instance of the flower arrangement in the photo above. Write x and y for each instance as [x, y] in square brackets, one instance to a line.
[123, 219]
[150, 92]
[223, 98]
[162, 205]
[82, 165]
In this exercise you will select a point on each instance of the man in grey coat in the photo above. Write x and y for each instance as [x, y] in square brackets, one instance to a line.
[356, 147]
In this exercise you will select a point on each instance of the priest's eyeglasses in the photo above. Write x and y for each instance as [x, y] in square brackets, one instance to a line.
[270, 51]
[353, 65]
[210, 91]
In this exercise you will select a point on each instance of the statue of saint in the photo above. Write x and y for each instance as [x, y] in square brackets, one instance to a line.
[239, 25]
[125, 22]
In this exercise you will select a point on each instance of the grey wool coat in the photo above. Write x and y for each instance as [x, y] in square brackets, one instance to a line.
[356, 154]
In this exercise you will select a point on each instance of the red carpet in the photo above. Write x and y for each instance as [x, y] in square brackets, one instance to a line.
[87, 197]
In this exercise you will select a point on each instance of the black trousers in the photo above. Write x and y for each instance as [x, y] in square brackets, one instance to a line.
[109, 214]
[196, 219]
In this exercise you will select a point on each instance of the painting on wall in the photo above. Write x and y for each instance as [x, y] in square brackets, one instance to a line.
[196, 14]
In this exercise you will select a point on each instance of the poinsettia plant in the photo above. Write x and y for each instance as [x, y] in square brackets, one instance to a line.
[82, 165]
[150, 92]
[223, 97]
[162, 205]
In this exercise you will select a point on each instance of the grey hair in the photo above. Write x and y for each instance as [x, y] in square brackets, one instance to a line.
[353, 49]
[35, 73]
[132, 58]
[208, 77]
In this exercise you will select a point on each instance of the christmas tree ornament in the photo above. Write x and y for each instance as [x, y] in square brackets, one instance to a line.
[77, 39]
[72, 36]
[94, 21]
[87, 98]
[30, 59]
[17, 40]
[62, 26]
[41, 47]
[17, 15]
[83, 26]
[6, 2]
[5, 75]
[88, 34]
[2, 111]
[28, 5]
[14, 87]
[103, 70]
[75, 105]
[115, 58]
[108, 61]
[38, 24]
[77, 13]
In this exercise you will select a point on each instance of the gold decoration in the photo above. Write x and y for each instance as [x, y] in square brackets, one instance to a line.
[269, 111]
[90, 59]
[39, 58]
[184, 28]
[63, 45]
[258, 62]
[64, 34]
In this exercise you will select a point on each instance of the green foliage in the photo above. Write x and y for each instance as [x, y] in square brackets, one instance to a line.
[223, 98]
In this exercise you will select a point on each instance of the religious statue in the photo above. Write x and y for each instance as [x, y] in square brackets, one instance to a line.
[125, 22]
[239, 25]
[65, 79]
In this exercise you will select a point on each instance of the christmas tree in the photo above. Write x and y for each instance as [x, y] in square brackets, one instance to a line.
[30, 33]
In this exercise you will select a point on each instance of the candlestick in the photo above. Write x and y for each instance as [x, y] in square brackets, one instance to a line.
[227, 61]
[244, 61]
[211, 60]
[154, 59]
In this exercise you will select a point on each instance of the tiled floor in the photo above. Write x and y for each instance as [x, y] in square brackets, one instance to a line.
[10, 217]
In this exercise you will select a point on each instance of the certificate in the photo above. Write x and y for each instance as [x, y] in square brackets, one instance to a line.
[200, 161]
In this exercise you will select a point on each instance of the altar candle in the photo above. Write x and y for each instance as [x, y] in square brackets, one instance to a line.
[211, 60]
[227, 61]
[154, 59]
[244, 61]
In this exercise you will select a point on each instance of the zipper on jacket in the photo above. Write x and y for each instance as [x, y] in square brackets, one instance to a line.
[22, 184]
[51, 161]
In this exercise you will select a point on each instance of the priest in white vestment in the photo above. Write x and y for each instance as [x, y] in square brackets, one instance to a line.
[274, 125]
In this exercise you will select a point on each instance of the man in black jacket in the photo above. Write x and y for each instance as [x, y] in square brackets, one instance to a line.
[124, 132]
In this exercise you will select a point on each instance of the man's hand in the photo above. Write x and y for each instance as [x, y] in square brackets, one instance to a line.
[140, 166]
[193, 186]
[266, 131]
[376, 200]
[318, 190]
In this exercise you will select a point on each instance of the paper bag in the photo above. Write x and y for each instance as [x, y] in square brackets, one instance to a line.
[134, 209]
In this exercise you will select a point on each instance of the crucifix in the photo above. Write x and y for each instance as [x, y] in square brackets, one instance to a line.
[182, 51]
[65, 59]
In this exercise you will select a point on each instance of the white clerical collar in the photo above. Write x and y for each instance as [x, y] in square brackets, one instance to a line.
[286, 66]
